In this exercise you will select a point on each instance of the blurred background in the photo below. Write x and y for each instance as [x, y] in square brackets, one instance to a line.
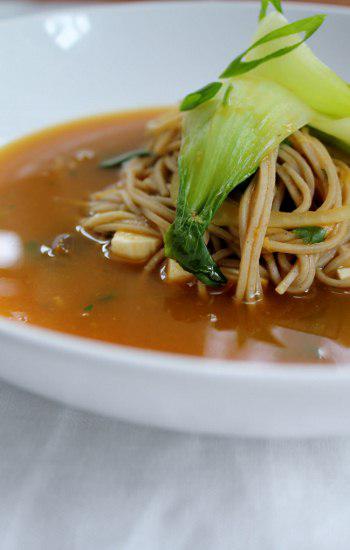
[10, 8]
[13, 7]
[344, 2]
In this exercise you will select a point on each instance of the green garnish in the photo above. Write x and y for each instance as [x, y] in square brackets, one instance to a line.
[118, 160]
[264, 5]
[238, 67]
[311, 234]
[101, 298]
[198, 97]
[308, 26]
[222, 145]
[106, 297]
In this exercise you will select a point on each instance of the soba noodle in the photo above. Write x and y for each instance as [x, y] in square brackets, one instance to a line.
[253, 237]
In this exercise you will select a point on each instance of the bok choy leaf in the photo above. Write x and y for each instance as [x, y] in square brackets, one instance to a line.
[300, 70]
[308, 26]
[223, 143]
[332, 131]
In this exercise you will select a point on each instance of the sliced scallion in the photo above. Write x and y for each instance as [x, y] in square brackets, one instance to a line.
[194, 99]
[264, 5]
[311, 234]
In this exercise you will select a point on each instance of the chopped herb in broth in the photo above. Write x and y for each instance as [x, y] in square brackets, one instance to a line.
[106, 297]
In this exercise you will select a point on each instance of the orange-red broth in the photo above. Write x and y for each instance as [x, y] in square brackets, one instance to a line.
[42, 180]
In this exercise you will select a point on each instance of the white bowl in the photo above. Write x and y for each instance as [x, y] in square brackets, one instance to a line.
[74, 63]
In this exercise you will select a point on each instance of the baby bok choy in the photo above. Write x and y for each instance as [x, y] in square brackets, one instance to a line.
[224, 140]
[298, 69]
[333, 131]
[279, 53]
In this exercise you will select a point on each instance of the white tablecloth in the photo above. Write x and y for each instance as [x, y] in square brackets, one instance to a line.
[74, 481]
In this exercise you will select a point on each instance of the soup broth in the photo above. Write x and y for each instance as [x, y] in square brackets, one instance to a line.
[52, 276]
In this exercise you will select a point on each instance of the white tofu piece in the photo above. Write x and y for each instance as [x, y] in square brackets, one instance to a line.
[176, 274]
[134, 247]
[343, 273]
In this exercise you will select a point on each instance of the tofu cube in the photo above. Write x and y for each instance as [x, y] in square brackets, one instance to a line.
[134, 247]
[176, 274]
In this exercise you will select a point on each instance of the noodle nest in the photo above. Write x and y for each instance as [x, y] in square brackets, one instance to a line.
[254, 237]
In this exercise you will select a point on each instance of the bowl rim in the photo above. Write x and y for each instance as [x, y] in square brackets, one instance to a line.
[157, 361]
[138, 358]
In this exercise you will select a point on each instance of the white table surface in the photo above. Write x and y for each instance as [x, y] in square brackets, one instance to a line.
[74, 481]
